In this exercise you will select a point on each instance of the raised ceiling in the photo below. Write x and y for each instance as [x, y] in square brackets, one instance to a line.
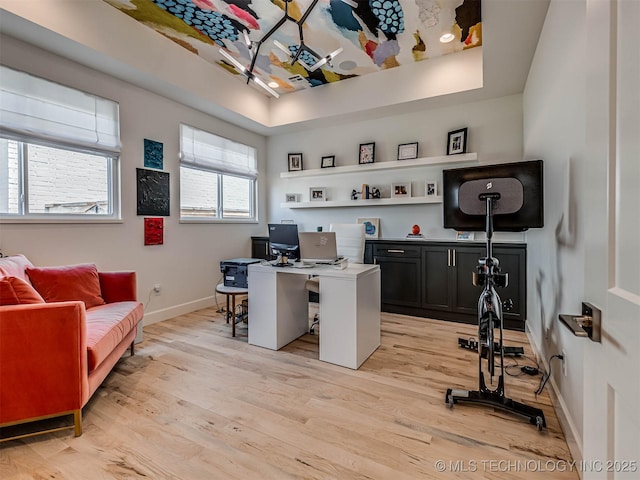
[95, 34]
[281, 42]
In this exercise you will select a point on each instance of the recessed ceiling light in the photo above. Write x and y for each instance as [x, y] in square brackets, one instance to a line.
[273, 84]
[447, 37]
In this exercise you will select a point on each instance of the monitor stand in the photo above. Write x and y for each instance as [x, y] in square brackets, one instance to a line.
[282, 261]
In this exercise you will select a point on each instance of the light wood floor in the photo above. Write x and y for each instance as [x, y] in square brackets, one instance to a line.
[194, 403]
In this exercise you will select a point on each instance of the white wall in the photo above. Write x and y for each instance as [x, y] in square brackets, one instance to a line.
[554, 130]
[494, 131]
[187, 265]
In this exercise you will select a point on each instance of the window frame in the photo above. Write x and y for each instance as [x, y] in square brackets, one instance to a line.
[253, 188]
[24, 216]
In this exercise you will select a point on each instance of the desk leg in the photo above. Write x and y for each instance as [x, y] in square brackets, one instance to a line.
[279, 308]
[349, 319]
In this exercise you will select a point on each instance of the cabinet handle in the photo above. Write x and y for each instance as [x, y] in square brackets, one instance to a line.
[395, 251]
[454, 257]
[375, 260]
[266, 248]
[448, 257]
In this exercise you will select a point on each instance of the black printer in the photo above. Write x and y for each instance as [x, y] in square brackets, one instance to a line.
[235, 271]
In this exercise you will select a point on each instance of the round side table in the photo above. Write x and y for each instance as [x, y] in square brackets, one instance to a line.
[231, 312]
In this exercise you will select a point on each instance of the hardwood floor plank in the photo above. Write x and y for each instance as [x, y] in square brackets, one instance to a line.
[195, 403]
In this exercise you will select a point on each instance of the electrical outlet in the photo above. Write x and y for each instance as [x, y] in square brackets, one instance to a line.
[157, 288]
[564, 363]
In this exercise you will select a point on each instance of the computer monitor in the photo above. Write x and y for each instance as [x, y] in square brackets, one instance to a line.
[283, 241]
[520, 185]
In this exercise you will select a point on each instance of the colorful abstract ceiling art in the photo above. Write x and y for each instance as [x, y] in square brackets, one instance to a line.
[370, 35]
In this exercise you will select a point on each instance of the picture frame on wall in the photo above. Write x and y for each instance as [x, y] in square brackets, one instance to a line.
[295, 162]
[371, 227]
[317, 194]
[407, 151]
[367, 153]
[431, 188]
[401, 190]
[328, 161]
[457, 142]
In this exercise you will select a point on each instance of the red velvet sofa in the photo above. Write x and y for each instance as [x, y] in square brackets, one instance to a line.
[59, 340]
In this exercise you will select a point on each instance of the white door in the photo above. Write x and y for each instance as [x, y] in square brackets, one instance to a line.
[612, 368]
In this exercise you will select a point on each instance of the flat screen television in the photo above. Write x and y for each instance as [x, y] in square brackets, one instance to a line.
[283, 240]
[520, 185]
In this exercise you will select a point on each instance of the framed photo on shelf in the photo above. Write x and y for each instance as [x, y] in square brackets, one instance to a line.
[295, 162]
[465, 236]
[317, 194]
[328, 161]
[292, 197]
[399, 190]
[431, 189]
[367, 153]
[407, 151]
[371, 227]
[457, 142]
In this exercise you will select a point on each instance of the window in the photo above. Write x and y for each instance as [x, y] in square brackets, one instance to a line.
[217, 177]
[59, 151]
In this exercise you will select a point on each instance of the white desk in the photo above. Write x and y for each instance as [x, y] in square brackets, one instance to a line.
[349, 309]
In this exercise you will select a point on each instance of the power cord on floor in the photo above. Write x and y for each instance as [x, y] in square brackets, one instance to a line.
[545, 378]
[219, 309]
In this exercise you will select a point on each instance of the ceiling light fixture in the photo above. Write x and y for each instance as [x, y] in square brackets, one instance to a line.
[447, 37]
[293, 53]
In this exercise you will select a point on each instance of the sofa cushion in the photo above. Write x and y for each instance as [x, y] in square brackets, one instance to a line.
[15, 291]
[73, 282]
[15, 266]
[107, 325]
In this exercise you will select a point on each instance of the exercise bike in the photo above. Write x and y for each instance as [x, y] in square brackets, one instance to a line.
[488, 276]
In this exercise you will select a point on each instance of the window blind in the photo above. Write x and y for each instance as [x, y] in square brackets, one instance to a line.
[32, 108]
[206, 151]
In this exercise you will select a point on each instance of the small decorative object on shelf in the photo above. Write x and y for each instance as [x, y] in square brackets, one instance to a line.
[364, 192]
[354, 194]
[292, 197]
[400, 190]
[371, 227]
[407, 151]
[295, 162]
[375, 192]
[415, 232]
[328, 162]
[367, 153]
[431, 189]
[457, 142]
[317, 194]
[466, 236]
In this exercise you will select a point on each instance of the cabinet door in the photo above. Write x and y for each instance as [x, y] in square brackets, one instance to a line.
[513, 261]
[436, 281]
[465, 294]
[400, 279]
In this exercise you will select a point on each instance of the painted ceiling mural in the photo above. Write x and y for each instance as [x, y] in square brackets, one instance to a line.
[370, 35]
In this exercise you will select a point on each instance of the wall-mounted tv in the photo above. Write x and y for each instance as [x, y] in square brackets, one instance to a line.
[520, 207]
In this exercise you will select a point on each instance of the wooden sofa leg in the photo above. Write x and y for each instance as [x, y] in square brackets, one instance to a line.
[77, 422]
[132, 348]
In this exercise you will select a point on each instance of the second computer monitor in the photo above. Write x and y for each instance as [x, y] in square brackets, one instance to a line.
[283, 240]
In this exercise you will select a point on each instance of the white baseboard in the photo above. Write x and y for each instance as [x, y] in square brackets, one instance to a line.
[574, 440]
[182, 309]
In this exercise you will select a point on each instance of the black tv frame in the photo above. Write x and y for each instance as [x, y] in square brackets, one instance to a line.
[529, 173]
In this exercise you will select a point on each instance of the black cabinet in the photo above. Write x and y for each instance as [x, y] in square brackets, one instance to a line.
[435, 279]
[399, 273]
[260, 248]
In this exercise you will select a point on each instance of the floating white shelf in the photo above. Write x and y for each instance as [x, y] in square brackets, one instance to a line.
[378, 202]
[373, 167]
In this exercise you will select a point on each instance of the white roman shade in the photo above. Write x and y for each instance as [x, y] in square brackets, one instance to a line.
[206, 151]
[35, 109]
